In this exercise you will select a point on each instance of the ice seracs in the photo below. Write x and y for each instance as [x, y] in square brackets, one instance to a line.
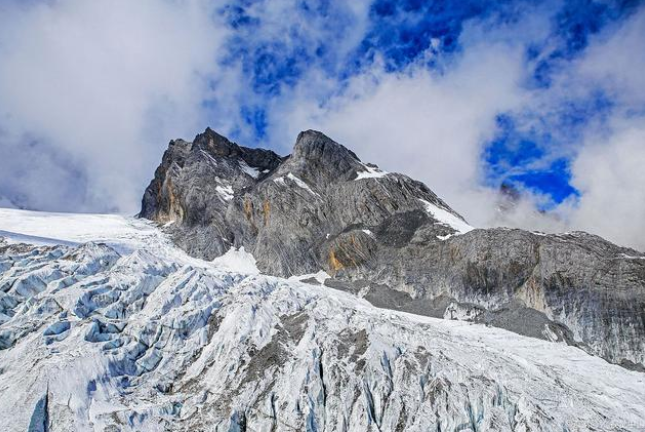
[152, 339]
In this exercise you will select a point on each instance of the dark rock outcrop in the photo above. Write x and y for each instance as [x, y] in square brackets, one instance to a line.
[393, 241]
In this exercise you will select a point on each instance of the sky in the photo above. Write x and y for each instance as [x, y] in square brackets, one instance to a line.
[545, 99]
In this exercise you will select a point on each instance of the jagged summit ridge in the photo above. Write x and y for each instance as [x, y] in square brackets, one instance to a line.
[214, 181]
[391, 240]
[218, 145]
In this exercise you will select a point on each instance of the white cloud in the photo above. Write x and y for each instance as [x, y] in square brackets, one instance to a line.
[616, 61]
[608, 169]
[284, 31]
[611, 177]
[104, 84]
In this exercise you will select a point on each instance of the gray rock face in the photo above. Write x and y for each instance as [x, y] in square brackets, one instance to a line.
[391, 240]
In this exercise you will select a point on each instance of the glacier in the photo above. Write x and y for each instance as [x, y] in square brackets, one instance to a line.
[105, 325]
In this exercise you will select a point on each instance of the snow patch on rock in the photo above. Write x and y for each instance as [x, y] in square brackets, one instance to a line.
[301, 183]
[446, 218]
[226, 192]
[370, 172]
[320, 277]
[253, 172]
[237, 260]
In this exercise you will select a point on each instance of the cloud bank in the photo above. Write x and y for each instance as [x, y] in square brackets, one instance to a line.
[90, 90]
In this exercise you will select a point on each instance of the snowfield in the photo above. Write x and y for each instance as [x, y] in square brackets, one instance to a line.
[106, 326]
[124, 234]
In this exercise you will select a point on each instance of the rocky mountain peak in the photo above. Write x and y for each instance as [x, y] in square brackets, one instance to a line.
[321, 160]
[392, 241]
[219, 146]
[215, 143]
[315, 145]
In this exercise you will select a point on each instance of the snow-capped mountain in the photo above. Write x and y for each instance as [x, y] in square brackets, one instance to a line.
[106, 325]
[394, 242]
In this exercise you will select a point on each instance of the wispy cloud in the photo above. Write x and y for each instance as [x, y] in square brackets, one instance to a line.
[608, 167]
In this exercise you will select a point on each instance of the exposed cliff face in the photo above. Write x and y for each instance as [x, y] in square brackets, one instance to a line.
[390, 239]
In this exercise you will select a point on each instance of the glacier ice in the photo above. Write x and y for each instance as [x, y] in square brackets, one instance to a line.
[128, 333]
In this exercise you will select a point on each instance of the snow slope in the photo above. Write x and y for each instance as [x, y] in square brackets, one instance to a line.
[447, 218]
[134, 335]
[122, 233]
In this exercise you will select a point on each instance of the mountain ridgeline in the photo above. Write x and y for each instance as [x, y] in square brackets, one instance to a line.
[391, 240]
